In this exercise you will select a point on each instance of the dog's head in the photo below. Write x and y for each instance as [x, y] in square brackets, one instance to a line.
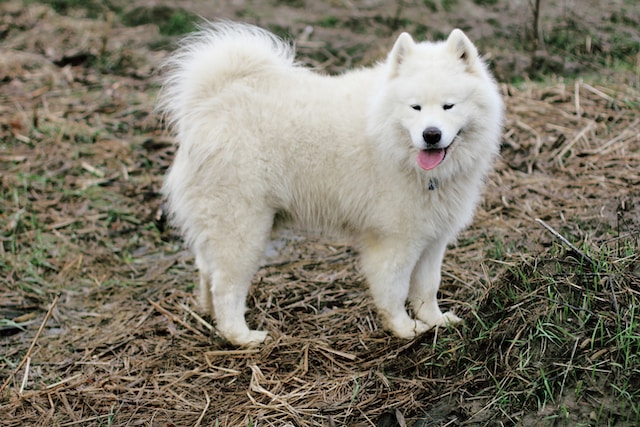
[440, 92]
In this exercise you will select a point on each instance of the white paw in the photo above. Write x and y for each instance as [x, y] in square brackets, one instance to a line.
[249, 339]
[434, 317]
[407, 327]
[447, 319]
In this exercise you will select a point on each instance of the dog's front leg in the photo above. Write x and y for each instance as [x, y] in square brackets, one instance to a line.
[425, 282]
[387, 265]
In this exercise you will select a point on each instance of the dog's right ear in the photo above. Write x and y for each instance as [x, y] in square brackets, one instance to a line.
[401, 49]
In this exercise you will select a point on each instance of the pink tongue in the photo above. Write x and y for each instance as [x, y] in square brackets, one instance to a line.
[429, 159]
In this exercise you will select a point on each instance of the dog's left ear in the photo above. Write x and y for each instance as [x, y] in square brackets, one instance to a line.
[401, 49]
[460, 45]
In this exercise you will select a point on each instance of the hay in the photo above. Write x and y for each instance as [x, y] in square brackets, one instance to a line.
[123, 346]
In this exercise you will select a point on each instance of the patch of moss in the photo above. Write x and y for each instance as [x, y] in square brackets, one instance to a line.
[170, 21]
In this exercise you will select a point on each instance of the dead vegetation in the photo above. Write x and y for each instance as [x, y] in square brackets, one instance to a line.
[96, 305]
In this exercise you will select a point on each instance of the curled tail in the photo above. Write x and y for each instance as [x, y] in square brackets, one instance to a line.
[206, 61]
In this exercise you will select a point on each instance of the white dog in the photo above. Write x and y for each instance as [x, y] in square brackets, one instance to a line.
[393, 155]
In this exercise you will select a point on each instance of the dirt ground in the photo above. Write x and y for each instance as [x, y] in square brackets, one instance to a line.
[98, 321]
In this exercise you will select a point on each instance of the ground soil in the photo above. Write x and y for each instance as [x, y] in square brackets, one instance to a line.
[98, 322]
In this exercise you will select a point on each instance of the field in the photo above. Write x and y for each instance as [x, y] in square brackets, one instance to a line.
[98, 320]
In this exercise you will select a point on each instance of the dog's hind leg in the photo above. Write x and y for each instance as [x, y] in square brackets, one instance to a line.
[205, 289]
[227, 262]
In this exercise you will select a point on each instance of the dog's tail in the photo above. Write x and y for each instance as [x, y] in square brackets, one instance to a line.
[205, 62]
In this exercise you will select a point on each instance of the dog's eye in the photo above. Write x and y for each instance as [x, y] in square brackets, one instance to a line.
[447, 106]
[416, 107]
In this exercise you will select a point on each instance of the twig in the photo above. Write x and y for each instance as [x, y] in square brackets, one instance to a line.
[565, 241]
[537, 28]
[62, 382]
[197, 317]
[241, 352]
[27, 356]
[614, 300]
[573, 142]
[343, 354]
[569, 365]
[204, 411]
[599, 93]
[25, 377]
[400, 418]
[576, 98]
[174, 318]
[85, 421]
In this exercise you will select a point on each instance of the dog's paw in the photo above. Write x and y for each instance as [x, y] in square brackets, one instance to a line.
[408, 328]
[435, 317]
[447, 319]
[250, 339]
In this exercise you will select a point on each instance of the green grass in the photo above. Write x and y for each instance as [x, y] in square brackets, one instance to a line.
[172, 21]
[434, 5]
[91, 8]
[547, 338]
[329, 21]
[291, 3]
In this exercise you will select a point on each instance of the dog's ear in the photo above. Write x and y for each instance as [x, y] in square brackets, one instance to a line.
[401, 49]
[460, 45]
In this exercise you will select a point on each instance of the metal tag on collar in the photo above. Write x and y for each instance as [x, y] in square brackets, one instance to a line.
[433, 184]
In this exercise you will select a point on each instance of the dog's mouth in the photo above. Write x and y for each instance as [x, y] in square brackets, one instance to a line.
[430, 158]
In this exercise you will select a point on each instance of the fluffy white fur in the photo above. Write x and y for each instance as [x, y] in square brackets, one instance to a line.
[261, 139]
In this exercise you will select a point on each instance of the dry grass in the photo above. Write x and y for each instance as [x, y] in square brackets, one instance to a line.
[96, 308]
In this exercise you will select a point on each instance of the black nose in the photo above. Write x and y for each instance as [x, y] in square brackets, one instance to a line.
[432, 135]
